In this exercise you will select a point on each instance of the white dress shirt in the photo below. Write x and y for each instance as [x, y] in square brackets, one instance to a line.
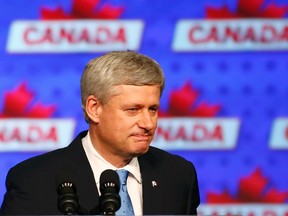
[99, 164]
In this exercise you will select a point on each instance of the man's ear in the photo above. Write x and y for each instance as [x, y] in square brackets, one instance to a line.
[92, 108]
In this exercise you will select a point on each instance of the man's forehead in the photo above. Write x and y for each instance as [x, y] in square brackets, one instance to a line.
[118, 89]
[136, 94]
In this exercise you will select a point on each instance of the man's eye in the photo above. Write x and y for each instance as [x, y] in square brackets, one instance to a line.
[132, 110]
[154, 109]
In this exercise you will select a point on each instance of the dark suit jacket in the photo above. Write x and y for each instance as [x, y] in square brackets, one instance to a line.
[31, 185]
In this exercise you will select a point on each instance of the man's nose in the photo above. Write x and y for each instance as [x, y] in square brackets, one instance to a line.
[146, 121]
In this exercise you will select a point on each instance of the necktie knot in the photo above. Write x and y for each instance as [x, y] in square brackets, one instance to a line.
[123, 175]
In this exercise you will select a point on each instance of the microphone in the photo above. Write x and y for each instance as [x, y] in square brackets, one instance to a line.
[109, 188]
[68, 202]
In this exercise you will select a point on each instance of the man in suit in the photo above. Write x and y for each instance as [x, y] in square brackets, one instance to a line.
[120, 94]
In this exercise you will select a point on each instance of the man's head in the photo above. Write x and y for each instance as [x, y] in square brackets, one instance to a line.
[121, 96]
[102, 74]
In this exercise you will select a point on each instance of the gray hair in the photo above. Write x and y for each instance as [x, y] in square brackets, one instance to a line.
[118, 68]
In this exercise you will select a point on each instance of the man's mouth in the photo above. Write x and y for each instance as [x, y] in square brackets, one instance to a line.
[142, 137]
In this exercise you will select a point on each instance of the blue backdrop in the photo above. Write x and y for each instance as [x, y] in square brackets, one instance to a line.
[249, 85]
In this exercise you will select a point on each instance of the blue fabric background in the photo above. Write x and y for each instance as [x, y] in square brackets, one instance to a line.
[249, 85]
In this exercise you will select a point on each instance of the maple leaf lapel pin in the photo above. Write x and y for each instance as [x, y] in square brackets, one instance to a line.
[154, 184]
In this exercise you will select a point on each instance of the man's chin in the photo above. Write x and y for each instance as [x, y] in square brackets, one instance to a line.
[140, 151]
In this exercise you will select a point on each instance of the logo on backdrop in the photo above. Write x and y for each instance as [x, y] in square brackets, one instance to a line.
[254, 25]
[254, 188]
[28, 126]
[279, 134]
[191, 124]
[83, 29]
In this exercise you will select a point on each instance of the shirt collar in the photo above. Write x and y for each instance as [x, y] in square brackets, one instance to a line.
[133, 167]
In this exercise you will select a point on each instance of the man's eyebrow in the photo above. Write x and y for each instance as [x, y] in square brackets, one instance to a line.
[140, 105]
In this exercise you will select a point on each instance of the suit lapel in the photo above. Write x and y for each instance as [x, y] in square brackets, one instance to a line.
[151, 184]
[78, 165]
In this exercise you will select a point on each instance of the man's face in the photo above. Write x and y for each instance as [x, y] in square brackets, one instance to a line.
[128, 121]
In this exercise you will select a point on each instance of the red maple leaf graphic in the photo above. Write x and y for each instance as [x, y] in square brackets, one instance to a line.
[17, 104]
[83, 9]
[252, 189]
[183, 103]
[248, 9]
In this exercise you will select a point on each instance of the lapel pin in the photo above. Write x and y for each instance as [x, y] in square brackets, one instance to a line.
[154, 184]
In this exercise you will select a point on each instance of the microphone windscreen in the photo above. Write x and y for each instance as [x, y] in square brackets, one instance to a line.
[109, 179]
[67, 201]
[63, 178]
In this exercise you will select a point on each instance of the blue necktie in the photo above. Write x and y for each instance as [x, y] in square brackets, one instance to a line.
[126, 204]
